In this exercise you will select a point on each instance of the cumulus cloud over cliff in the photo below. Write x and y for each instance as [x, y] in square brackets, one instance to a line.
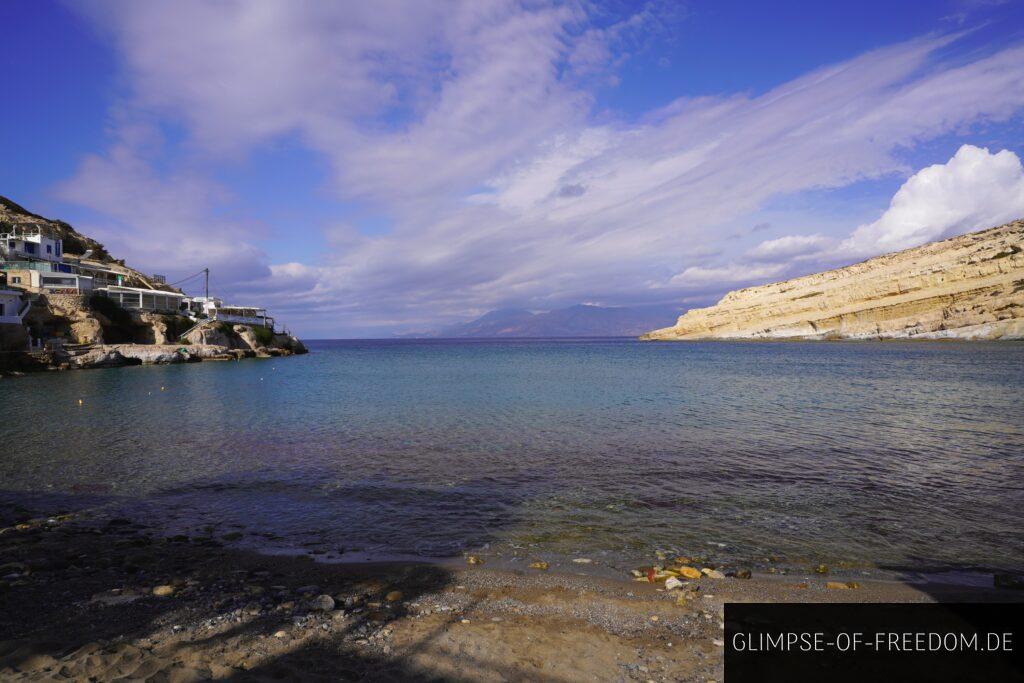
[975, 189]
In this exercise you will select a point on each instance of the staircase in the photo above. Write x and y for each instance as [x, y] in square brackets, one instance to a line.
[181, 337]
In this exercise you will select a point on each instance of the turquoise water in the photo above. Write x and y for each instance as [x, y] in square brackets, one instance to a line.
[854, 454]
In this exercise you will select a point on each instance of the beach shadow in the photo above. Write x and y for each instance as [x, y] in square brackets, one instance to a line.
[77, 599]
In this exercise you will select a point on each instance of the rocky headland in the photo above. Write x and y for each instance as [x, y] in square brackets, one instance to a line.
[966, 287]
[83, 329]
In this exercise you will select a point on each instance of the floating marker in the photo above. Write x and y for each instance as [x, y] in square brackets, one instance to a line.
[161, 388]
[79, 401]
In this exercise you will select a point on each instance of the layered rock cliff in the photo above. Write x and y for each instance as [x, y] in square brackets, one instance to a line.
[966, 287]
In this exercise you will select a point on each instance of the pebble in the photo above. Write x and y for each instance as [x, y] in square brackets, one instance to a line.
[473, 559]
[540, 564]
[839, 585]
[323, 603]
[712, 573]
[393, 596]
[673, 582]
[281, 634]
[582, 560]
[690, 572]
[163, 591]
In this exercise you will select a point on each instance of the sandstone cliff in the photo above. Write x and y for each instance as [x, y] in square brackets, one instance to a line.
[966, 287]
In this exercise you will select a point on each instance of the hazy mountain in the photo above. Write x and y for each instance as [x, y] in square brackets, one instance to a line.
[574, 321]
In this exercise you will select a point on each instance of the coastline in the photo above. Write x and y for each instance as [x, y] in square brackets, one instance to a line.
[102, 356]
[108, 598]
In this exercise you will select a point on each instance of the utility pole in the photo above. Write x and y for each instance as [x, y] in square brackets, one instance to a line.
[207, 282]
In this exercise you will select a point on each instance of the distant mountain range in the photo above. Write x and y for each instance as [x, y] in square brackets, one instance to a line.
[575, 321]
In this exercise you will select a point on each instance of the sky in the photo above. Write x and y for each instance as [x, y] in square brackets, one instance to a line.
[370, 169]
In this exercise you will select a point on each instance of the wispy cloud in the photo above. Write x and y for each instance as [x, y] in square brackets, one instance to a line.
[472, 128]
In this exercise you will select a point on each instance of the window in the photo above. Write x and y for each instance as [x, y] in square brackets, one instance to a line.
[59, 246]
[2, 312]
[49, 249]
[16, 280]
[30, 248]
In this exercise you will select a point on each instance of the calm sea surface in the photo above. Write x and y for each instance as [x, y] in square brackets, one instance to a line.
[891, 455]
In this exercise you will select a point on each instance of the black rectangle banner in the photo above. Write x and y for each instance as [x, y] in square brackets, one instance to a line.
[874, 642]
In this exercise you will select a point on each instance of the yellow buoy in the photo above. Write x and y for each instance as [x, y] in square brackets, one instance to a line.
[161, 388]
[79, 401]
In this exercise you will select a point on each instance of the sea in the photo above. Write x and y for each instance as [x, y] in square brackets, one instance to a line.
[872, 458]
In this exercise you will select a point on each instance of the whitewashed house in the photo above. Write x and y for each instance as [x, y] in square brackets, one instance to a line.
[30, 244]
[213, 308]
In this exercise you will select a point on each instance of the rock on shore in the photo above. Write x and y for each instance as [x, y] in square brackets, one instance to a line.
[115, 355]
[966, 287]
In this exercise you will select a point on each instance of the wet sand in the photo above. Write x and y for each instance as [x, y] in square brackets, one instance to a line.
[89, 600]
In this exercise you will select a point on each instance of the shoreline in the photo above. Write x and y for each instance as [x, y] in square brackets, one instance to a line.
[106, 356]
[113, 598]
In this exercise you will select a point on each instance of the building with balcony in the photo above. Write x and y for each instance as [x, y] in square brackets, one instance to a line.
[213, 308]
[30, 244]
[145, 299]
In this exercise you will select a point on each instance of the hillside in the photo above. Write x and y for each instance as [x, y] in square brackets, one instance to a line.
[574, 321]
[77, 247]
[15, 216]
[966, 287]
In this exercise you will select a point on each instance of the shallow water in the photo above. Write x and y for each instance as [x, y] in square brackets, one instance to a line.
[853, 454]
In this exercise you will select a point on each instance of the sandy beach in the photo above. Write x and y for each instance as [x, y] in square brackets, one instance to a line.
[99, 600]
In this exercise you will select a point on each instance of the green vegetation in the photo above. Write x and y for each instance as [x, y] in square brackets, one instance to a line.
[1014, 249]
[110, 310]
[177, 325]
[263, 335]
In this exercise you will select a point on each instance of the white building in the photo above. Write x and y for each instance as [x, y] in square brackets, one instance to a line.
[214, 308]
[12, 310]
[35, 275]
[30, 243]
[144, 299]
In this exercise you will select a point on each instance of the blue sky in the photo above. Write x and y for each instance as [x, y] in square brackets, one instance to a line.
[372, 170]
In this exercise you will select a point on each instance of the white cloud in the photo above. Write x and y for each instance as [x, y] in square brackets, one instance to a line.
[471, 127]
[726, 276]
[788, 247]
[975, 189]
